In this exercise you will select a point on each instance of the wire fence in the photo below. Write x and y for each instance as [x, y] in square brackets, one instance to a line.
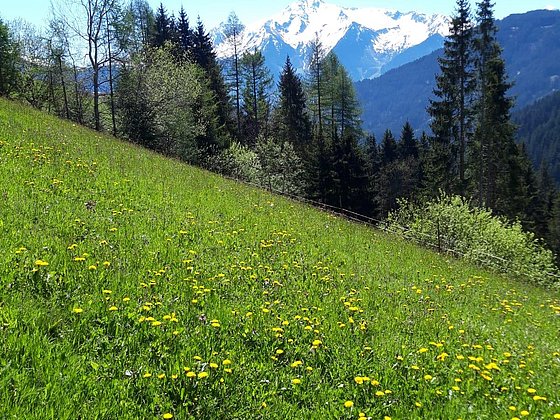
[436, 242]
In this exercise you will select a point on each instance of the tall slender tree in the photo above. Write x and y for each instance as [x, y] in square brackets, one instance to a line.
[234, 36]
[257, 83]
[451, 112]
[292, 118]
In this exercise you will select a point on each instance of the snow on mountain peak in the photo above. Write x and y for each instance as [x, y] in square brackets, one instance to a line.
[388, 33]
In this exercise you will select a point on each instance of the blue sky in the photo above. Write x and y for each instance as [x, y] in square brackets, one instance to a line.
[213, 12]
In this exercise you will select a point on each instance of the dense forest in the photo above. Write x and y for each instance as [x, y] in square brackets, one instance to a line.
[153, 78]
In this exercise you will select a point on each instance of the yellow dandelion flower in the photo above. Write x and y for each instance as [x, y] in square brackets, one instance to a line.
[156, 323]
[557, 416]
[317, 343]
[531, 390]
[107, 291]
[77, 310]
[202, 375]
[191, 374]
[524, 413]
[161, 376]
[428, 377]
[423, 350]
[214, 365]
[418, 404]
[512, 408]
[442, 356]
[539, 398]
[147, 375]
[168, 416]
[226, 362]
[296, 364]
[414, 367]
[380, 394]
[113, 308]
[375, 382]
[348, 404]
[296, 381]
[41, 263]
[359, 380]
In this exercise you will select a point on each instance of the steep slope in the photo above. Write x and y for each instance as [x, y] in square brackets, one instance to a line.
[157, 290]
[532, 55]
[539, 128]
[366, 39]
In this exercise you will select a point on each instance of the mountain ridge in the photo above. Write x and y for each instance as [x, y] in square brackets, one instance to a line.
[366, 39]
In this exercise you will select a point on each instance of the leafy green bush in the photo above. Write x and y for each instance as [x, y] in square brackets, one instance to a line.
[450, 224]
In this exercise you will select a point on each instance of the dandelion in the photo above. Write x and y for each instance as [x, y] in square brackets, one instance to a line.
[531, 390]
[92, 267]
[317, 343]
[202, 375]
[512, 408]
[442, 356]
[539, 398]
[296, 381]
[156, 323]
[41, 263]
[296, 364]
[214, 365]
[423, 350]
[380, 394]
[279, 351]
[161, 376]
[524, 413]
[77, 310]
[168, 416]
[106, 263]
[191, 374]
[113, 308]
[428, 377]
[147, 375]
[418, 404]
[349, 404]
[226, 362]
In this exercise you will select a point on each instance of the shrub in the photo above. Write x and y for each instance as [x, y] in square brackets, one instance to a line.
[450, 224]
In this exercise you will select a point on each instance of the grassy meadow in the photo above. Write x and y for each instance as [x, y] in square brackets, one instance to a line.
[137, 287]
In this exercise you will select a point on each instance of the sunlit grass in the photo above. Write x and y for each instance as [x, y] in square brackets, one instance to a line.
[137, 287]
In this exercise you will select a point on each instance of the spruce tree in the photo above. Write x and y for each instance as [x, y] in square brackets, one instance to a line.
[494, 142]
[293, 122]
[164, 30]
[9, 56]
[451, 111]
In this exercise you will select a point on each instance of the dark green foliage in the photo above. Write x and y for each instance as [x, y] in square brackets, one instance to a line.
[292, 121]
[257, 83]
[9, 57]
[164, 30]
[451, 111]
[539, 129]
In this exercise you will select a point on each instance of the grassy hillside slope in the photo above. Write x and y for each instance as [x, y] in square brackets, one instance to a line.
[133, 286]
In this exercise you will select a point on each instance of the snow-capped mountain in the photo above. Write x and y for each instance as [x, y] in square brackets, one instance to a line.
[368, 41]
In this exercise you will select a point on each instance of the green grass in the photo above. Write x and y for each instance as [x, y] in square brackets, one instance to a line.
[159, 273]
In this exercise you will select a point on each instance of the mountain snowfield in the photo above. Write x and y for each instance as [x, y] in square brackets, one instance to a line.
[369, 41]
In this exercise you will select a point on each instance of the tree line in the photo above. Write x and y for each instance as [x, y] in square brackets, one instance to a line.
[154, 78]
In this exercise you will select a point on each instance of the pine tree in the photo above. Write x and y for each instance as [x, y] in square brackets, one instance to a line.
[293, 122]
[315, 88]
[389, 148]
[451, 112]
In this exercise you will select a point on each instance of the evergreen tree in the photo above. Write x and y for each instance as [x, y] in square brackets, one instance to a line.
[9, 57]
[185, 34]
[257, 82]
[164, 30]
[408, 145]
[493, 144]
[451, 111]
[389, 148]
[293, 122]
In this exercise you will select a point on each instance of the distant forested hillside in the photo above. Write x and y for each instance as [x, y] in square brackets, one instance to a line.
[539, 129]
[531, 50]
